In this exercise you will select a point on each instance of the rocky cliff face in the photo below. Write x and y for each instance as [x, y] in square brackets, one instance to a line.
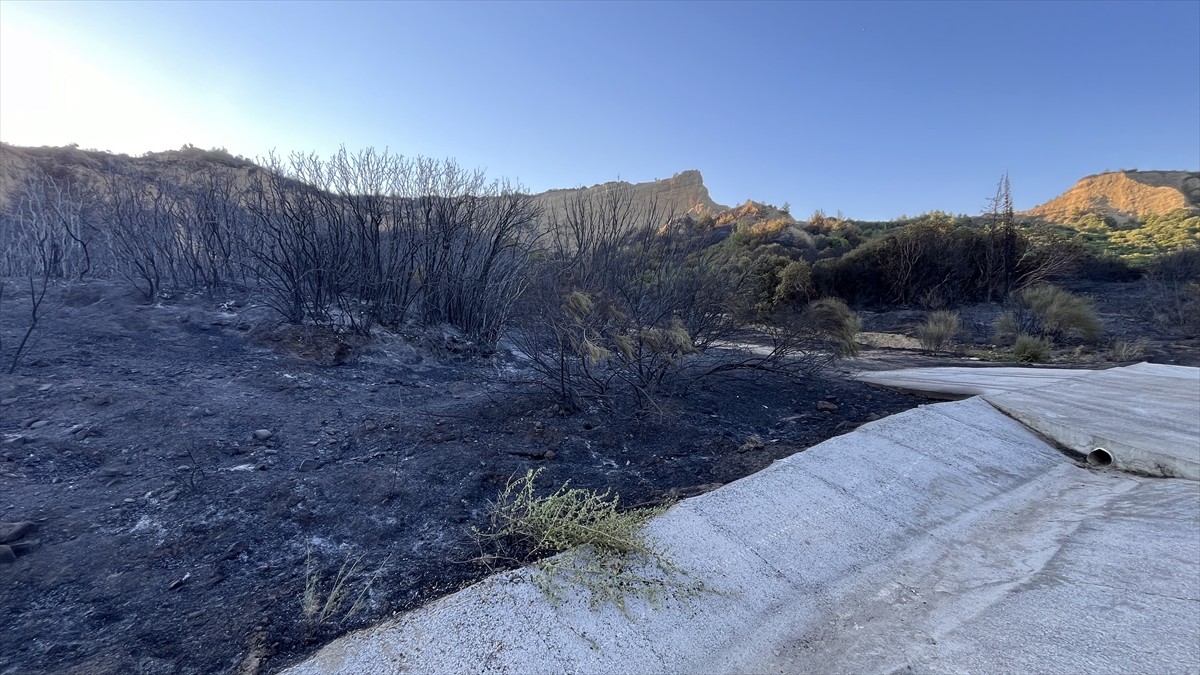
[1124, 195]
[682, 193]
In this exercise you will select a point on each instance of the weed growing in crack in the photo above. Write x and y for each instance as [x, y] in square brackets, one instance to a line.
[594, 545]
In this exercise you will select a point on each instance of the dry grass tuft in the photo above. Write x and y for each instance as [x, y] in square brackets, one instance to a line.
[938, 329]
[322, 602]
[603, 548]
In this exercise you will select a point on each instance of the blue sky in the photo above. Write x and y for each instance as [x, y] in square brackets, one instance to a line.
[875, 110]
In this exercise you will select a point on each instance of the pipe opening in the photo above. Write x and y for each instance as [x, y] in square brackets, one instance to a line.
[1099, 457]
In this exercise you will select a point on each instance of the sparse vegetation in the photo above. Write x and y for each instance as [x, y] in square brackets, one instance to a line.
[629, 305]
[1123, 351]
[1059, 314]
[1031, 349]
[606, 551]
[566, 519]
[1173, 280]
[938, 329]
[325, 599]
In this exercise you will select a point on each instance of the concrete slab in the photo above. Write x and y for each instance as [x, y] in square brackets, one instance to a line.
[1143, 418]
[948, 538]
[1044, 581]
[960, 382]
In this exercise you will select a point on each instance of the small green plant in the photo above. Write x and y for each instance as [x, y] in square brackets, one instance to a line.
[938, 329]
[323, 602]
[1031, 349]
[606, 551]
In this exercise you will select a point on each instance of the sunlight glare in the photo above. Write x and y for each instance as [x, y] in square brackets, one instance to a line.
[51, 94]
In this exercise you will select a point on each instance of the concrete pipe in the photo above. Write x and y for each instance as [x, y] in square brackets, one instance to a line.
[1099, 457]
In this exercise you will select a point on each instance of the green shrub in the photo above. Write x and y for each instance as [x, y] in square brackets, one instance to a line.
[940, 261]
[606, 551]
[1140, 242]
[569, 518]
[795, 283]
[937, 330]
[1062, 314]
[833, 319]
[1031, 349]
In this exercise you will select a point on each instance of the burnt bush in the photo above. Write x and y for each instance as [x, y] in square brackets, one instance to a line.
[1107, 267]
[49, 228]
[627, 305]
[1173, 282]
[348, 242]
[375, 238]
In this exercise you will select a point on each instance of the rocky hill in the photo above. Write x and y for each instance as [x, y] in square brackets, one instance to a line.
[1124, 196]
[680, 194]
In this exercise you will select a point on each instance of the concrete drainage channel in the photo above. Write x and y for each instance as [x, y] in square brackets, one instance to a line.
[1140, 419]
[949, 538]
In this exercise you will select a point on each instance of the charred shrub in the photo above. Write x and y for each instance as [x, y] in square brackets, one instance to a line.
[627, 306]
[1173, 281]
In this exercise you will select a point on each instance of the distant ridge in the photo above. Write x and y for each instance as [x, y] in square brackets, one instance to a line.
[1124, 196]
[680, 194]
